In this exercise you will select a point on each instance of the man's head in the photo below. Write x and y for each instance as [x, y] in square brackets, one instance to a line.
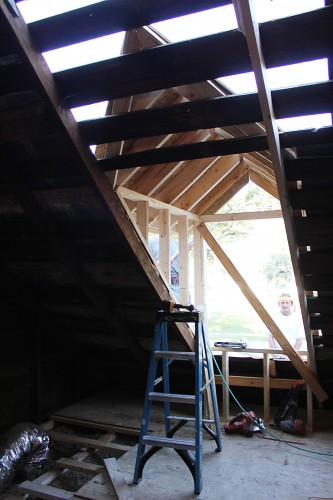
[286, 304]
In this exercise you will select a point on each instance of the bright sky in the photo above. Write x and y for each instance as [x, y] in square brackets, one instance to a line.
[207, 22]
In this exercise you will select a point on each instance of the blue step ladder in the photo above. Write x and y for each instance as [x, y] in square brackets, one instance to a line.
[190, 450]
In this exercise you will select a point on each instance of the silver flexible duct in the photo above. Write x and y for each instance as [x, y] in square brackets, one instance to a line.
[23, 445]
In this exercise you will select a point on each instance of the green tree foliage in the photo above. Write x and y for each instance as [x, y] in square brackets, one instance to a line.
[278, 270]
[249, 199]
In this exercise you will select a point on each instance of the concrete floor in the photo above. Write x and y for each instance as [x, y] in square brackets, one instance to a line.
[256, 467]
[247, 468]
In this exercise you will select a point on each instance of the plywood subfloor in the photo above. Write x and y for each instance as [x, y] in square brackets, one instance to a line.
[256, 467]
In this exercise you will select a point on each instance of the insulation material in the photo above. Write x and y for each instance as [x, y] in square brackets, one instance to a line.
[23, 445]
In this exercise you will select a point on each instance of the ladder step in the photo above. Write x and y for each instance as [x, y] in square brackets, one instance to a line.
[190, 419]
[172, 398]
[175, 354]
[164, 442]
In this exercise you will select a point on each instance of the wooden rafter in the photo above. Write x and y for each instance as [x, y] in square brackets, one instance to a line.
[87, 161]
[237, 171]
[228, 193]
[205, 184]
[264, 184]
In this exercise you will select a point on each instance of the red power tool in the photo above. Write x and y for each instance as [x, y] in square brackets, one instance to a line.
[243, 423]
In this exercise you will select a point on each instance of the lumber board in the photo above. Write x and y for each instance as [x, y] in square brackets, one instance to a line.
[315, 199]
[318, 261]
[284, 43]
[177, 62]
[117, 479]
[163, 67]
[240, 381]
[67, 463]
[300, 366]
[309, 168]
[319, 282]
[320, 304]
[43, 491]
[106, 18]
[117, 449]
[118, 429]
[206, 113]
[321, 322]
[314, 230]
[210, 149]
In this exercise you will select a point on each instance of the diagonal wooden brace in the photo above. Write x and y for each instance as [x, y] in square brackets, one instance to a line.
[295, 359]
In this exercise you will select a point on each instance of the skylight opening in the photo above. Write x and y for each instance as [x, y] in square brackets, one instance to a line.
[281, 77]
[287, 76]
[305, 122]
[202, 23]
[92, 111]
[34, 10]
[79, 54]
[267, 10]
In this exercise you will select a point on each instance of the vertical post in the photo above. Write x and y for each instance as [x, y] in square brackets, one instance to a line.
[309, 405]
[266, 388]
[199, 272]
[183, 259]
[225, 391]
[164, 226]
[142, 213]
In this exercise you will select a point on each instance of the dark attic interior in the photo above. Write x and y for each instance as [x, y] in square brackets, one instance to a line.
[81, 199]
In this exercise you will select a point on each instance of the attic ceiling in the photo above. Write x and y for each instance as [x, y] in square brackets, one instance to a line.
[171, 132]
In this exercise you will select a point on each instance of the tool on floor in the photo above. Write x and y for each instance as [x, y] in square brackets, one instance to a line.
[190, 450]
[285, 418]
[243, 423]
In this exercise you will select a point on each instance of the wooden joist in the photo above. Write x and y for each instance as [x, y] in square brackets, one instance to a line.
[204, 114]
[314, 200]
[309, 169]
[88, 468]
[119, 429]
[214, 148]
[314, 230]
[177, 62]
[44, 491]
[116, 449]
[106, 18]
[259, 382]
[174, 64]
[318, 261]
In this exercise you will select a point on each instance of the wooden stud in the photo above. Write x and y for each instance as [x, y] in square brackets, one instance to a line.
[266, 388]
[183, 260]
[142, 215]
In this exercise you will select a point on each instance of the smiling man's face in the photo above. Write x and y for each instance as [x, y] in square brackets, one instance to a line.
[285, 307]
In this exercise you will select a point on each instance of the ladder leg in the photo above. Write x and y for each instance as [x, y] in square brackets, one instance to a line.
[166, 385]
[198, 411]
[216, 435]
[147, 404]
